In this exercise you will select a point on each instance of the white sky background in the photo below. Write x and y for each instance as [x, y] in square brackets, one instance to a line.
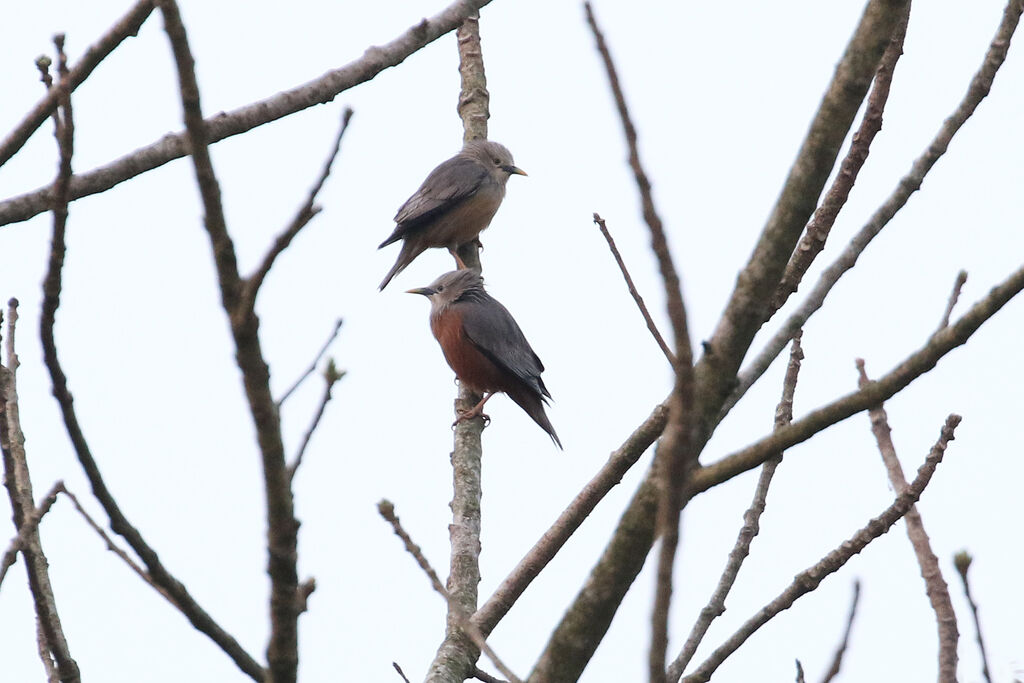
[722, 95]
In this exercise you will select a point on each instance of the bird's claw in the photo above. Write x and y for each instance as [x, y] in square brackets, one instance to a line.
[469, 415]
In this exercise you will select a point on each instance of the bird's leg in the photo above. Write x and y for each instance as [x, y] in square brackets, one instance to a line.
[475, 411]
[458, 259]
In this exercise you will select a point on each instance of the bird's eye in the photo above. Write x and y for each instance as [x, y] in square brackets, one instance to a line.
[497, 161]
[440, 288]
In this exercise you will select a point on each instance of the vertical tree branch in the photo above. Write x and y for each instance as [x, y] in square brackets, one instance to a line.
[457, 655]
[282, 527]
[675, 457]
[935, 584]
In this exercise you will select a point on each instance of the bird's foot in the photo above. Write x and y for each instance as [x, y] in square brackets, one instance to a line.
[470, 414]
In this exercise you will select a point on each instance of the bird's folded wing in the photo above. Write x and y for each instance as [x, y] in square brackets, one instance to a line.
[447, 185]
[491, 328]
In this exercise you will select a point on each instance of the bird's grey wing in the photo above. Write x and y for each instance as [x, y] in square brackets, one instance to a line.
[492, 329]
[447, 185]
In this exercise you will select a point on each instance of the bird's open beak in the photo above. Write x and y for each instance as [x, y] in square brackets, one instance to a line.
[425, 291]
[513, 170]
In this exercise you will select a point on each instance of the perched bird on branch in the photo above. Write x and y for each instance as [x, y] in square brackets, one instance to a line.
[456, 201]
[484, 346]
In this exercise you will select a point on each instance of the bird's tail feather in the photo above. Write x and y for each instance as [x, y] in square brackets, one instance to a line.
[530, 402]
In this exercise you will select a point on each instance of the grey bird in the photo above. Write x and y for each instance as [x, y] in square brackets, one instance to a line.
[456, 201]
[484, 346]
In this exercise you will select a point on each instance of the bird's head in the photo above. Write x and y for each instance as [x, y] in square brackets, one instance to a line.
[495, 157]
[451, 287]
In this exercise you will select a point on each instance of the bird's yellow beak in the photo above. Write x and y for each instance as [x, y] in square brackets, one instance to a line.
[425, 291]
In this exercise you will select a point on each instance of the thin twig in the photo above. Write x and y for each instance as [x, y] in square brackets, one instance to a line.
[633, 291]
[800, 672]
[28, 527]
[331, 376]
[809, 579]
[455, 610]
[282, 527]
[312, 366]
[816, 234]
[126, 26]
[935, 584]
[400, 672]
[224, 125]
[751, 525]
[980, 86]
[962, 560]
[114, 548]
[954, 296]
[837, 658]
[304, 215]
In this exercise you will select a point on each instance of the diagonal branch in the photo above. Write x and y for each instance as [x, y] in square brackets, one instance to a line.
[126, 26]
[809, 579]
[118, 522]
[915, 365]
[387, 511]
[224, 125]
[935, 584]
[751, 526]
[979, 88]
[312, 366]
[610, 474]
[824, 218]
[305, 214]
[282, 527]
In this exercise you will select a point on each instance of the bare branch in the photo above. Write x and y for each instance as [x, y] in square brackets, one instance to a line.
[28, 527]
[809, 579]
[954, 296]
[224, 125]
[675, 457]
[935, 584]
[634, 293]
[455, 610]
[282, 527]
[962, 560]
[312, 366]
[305, 214]
[400, 672]
[910, 183]
[331, 376]
[837, 658]
[457, 655]
[127, 26]
[482, 675]
[917, 364]
[813, 241]
[619, 462]
[800, 672]
[751, 526]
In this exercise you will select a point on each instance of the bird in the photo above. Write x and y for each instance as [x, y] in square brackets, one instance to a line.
[456, 201]
[484, 346]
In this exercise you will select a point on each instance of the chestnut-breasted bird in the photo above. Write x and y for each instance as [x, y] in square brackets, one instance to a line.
[456, 201]
[484, 346]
